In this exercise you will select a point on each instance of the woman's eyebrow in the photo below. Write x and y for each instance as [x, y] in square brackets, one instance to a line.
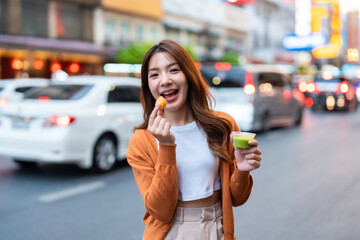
[168, 66]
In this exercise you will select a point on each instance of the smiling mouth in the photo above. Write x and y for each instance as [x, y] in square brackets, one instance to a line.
[170, 95]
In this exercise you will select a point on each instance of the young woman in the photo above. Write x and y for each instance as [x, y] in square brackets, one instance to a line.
[185, 166]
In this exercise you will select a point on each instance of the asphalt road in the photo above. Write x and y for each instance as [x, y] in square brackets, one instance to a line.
[307, 188]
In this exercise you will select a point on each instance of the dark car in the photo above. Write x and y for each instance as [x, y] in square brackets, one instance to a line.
[258, 97]
[332, 92]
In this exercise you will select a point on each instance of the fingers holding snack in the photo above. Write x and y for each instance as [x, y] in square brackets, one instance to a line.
[158, 125]
[161, 101]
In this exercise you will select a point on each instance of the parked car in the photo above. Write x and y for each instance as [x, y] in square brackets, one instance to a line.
[332, 92]
[353, 71]
[15, 89]
[86, 120]
[259, 98]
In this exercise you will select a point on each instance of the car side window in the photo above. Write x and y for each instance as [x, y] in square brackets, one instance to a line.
[124, 94]
[22, 89]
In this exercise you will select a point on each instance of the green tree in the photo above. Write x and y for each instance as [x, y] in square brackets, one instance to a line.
[133, 53]
[230, 57]
[190, 50]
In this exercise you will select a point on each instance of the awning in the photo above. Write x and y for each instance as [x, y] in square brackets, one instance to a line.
[57, 45]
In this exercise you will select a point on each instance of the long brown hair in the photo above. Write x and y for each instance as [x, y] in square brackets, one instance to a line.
[216, 128]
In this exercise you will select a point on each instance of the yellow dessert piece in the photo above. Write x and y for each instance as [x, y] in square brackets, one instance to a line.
[161, 101]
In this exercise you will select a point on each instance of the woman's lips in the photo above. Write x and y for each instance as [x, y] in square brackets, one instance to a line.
[171, 95]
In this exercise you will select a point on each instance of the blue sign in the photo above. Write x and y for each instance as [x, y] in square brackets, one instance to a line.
[293, 42]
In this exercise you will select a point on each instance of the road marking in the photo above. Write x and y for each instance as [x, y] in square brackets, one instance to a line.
[51, 197]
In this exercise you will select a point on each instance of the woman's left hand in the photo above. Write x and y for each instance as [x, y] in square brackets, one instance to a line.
[248, 159]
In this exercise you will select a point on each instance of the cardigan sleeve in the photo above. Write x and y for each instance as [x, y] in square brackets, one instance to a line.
[157, 182]
[240, 182]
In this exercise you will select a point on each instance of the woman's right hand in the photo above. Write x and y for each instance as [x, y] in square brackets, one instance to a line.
[160, 127]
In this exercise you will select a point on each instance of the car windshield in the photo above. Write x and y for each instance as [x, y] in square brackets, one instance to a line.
[61, 92]
[234, 77]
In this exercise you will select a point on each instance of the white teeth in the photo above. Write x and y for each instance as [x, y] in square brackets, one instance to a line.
[168, 93]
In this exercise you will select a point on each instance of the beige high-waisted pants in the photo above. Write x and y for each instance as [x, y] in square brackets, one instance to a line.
[197, 224]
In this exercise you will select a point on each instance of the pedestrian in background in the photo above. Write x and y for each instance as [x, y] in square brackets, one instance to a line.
[182, 157]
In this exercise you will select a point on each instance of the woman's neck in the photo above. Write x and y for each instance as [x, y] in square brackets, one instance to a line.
[180, 117]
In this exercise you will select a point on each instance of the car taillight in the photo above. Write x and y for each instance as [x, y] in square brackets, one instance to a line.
[350, 94]
[249, 87]
[302, 86]
[286, 94]
[222, 66]
[59, 121]
[344, 87]
[3, 101]
[309, 102]
[312, 87]
[43, 98]
[299, 95]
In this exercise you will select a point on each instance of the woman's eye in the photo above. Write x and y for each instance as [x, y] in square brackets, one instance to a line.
[174, 70]
[153, 75]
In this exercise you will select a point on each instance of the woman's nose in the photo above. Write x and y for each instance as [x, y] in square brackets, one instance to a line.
[165, 79]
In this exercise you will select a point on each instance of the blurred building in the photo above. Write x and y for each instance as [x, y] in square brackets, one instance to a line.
[271, 20]
[38, 37]
[118, 23]
[211, 27]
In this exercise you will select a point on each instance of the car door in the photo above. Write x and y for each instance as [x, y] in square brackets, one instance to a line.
[124, 107]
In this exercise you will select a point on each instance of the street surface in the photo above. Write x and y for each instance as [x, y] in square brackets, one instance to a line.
[307, 188]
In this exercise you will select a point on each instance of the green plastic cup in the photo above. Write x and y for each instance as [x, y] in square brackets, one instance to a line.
[241, 139]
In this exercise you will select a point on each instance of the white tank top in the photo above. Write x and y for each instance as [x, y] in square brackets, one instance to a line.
[198, 168]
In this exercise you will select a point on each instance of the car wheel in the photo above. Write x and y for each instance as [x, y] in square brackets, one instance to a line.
[266, 125]
[25, 164]
[104, 154]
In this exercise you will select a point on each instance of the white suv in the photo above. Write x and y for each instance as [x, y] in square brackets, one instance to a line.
[86, 120]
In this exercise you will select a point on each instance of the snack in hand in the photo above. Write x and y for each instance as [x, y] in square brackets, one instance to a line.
[161, 101]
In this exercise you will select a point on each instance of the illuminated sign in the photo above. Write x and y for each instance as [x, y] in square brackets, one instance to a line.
[333, 49]
[293, 42]
[239, 2]
[328, 51]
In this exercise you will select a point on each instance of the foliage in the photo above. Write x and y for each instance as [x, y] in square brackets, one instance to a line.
[191, 51]
[133, 53]
[231, 57]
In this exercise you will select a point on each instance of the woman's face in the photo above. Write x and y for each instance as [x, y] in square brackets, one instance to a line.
[166, 79]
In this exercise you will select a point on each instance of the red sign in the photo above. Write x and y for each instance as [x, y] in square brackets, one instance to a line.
[239, 2]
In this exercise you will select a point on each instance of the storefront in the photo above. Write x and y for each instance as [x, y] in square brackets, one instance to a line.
[39, 57]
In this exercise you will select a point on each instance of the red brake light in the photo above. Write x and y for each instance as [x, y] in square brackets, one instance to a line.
[312, 87]
[344, 87]
[59, 120]
[299, 95]
[249, 87]
[309, 102]
[287, 94]
[302, 86]
[3, 101]
[222, 66]
[43, 98]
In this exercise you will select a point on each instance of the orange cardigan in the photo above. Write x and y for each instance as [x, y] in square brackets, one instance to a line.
[155, 173]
